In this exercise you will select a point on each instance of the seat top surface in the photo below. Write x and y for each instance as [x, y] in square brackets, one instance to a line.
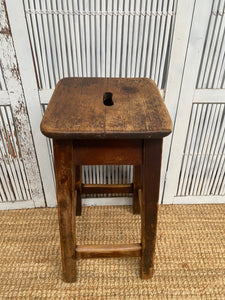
[76, 110]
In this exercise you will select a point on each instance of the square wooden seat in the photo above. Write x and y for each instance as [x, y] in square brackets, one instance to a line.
[97, 121]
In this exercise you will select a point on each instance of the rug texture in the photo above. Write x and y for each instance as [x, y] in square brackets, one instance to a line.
[189, 262]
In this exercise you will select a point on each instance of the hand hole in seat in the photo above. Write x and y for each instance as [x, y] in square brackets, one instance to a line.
[107, 99]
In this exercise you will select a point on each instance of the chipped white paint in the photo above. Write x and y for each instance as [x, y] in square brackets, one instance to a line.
[15, 91]
[12, 165]
[26, 65]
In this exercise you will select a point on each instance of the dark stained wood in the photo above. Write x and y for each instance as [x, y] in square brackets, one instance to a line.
[97, 251]
[137, 180]
[151, 180]
[140, 198]
[107, 152]
[76, 110]
[86, 132]
[72, 110]
[78, 187]
[107, 188]
[63, 154]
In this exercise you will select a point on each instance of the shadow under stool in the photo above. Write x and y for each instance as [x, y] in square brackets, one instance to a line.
[107, 121]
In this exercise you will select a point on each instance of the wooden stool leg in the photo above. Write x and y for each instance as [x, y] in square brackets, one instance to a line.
[64, 174]
[151, 181]
[137, 186]
[78, 175]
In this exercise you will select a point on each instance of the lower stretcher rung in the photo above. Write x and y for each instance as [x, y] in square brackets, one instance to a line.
[107, 188]
[97, 251]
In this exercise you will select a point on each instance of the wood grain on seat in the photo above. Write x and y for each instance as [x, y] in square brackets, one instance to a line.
[76, 109]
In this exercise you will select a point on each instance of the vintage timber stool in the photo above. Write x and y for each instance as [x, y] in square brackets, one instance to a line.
[97, 121]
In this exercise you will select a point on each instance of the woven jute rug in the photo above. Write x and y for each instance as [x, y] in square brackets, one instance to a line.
[189, 263]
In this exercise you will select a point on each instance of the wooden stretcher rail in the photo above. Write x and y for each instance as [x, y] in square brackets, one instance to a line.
[140, 198]
[107, 188]
[100, 251]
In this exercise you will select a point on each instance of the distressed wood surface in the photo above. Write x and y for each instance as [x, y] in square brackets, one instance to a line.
[64, 174]
[76, 109]
[152, 152]
[140, 199]
[78, 187]
[107, 188]
[14, 87]
[107, 152]
[99, 251]
[137, 182]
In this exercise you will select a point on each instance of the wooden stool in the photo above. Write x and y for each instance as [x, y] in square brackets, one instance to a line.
[97, 121]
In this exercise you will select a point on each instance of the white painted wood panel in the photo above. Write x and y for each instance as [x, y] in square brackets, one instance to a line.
[4, 98]
[30, 89]
[197, 169]
[212, 68]
[2, 81]
[198, 200]
[209, 96]
[184, 14]
[202, 169]
[19, 175]
[187, 90]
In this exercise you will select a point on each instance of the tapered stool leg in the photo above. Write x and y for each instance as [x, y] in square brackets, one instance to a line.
[78, 175]
[151, 179]
[136, 187]
[64, 174]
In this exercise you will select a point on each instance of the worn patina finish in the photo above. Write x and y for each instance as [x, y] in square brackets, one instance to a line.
[76, 109]
[98, 121]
